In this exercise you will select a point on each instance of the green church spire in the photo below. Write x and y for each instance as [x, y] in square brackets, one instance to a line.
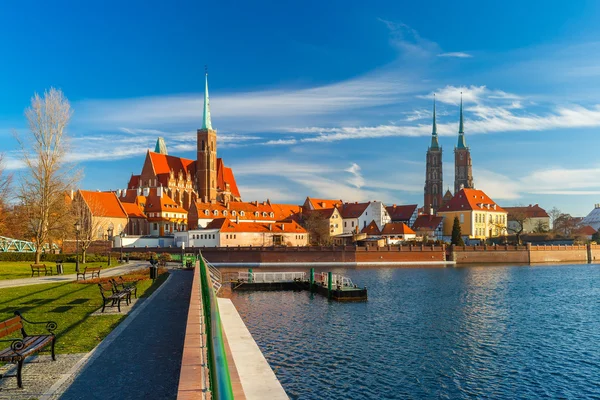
[206, 124]
[461, 129]
[434, 136]
[161, 146]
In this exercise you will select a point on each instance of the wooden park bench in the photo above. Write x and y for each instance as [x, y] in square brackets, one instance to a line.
[89, 270]
[40, 267]
[114, 296]
[21, 348]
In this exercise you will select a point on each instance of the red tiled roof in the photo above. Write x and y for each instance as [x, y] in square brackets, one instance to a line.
[353, 210]
[427, 222]
[238, 206]
[155, 203]
[318, 204]
[134, 181]
[103, 204]
[586, 230]
[470, 200]
[371, 229]
[163, 164]
[401, 213]
[531, 211]
[396, 228]
[133, 210]
[285, 211]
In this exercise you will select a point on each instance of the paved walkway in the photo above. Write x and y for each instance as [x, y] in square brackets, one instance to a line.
[120, 270]
[144, 360]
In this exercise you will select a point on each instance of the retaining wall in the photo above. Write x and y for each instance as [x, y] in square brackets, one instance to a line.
[529, 254]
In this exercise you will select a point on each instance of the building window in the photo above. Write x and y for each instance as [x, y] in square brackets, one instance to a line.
[345, 224]
[224, 212]
[271, 215]
[353, 224]
[242, 213]
[155, 226]
[462, 218]
[215, 212]
[364, 224]
[233, 213]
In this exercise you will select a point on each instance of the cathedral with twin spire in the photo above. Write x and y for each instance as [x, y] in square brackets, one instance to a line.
[434, 177]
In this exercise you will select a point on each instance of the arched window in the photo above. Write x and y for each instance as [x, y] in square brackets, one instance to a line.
[224, 212]
[256, 214]
[272, 215]
[215, 212]
[203, 146]
[206, 212]
[233, 213]
[242, 213]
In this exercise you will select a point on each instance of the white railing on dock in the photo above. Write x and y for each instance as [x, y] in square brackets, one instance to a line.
[269, 277]
[336, 279]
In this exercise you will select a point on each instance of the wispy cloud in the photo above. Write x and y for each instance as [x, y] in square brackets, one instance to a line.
[356, 179]
[457, 54]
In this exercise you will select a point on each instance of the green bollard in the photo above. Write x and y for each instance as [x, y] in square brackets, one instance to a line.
[329, 279]
[312, 279]
[250, 275]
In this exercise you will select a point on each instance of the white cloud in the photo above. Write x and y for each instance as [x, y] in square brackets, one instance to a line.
[457, 54]
[280, 142]
[356, 180]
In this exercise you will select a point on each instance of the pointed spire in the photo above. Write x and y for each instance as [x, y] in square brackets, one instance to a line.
[206, 124]
[461, 129]
[161, 146]
[434, 137]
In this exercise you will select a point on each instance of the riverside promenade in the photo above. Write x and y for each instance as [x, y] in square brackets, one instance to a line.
[141, 359]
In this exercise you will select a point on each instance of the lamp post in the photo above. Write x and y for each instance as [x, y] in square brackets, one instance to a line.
[77, 230]
[109, 231]
[122, 235]
[182, 254]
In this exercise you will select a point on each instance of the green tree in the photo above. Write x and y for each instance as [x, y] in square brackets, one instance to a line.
[456, 233]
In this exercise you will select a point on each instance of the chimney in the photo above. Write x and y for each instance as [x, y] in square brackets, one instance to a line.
[270, 227]
[462, 186]
[139, 191]
[159, 191]
[430, 210]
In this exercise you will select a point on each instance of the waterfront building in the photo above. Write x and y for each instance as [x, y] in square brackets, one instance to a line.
[434, 184]
[593, 218]
[463, 173]
[97, 212]
[201, 213]
[429, 227]
[479, 216]
[331, 217]
[405, 213]
[356, 215]
[222, 232]
[397, 232]
[533, 218]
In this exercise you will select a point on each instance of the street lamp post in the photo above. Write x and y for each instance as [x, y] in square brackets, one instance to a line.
[110, 236]
[77, 230]
[182, 254]
[122, 235]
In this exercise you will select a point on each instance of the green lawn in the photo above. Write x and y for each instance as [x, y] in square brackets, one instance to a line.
[70, 306]
[21, 269]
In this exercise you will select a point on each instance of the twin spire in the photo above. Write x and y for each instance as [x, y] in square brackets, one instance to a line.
[206, 124]
[461, 131]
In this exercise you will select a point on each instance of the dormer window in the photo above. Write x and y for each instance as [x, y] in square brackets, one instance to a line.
[242, 213]
[256, 213]
[206, 212]
[264, 214]
[271, 215]
[233, 213]
[224, 212]
[215, 212]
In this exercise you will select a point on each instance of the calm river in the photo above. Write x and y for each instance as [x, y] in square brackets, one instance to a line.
[514, 332]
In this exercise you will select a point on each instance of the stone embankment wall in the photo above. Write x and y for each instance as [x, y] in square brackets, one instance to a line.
[333, 254]
[529, 254]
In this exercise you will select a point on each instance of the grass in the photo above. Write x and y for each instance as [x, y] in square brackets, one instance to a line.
[70, 306]
[21, 269]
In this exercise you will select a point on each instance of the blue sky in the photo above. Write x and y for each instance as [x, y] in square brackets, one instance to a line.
[328, 100]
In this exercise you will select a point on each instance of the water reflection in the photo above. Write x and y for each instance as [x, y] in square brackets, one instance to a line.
[497, 332]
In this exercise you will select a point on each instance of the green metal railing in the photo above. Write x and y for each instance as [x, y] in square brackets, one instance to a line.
[220, 380]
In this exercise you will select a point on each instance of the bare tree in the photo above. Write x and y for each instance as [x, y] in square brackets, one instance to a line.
[540, 227]
[48, 177]
[317, 226]
[554, 214]
[5, 181]
[565, 224]
[89, 213]
[516, 220]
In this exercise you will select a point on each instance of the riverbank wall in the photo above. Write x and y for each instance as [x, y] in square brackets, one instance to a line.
[526, 254]
[324, 255]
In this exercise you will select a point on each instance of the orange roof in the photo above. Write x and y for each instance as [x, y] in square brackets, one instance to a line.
[236, 209]
[531, 211]
[471, 200]
[586, 230]
[103, 204]
[285, 211]
[323, 212]
[163, 164]
[401, 213]
[396, 228]
[134, 181]
[323, 203]
[154, 203]
[133, 210]
[371, 229]
[225, 225]
[225, 176]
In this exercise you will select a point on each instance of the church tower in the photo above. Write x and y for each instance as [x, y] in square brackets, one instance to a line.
[206, 163]
[463, 174]
[433, 173]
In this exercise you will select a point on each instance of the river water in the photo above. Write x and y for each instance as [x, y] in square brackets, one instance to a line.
[497, 332]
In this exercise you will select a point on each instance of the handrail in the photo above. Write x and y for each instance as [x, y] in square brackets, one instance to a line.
[220, 380]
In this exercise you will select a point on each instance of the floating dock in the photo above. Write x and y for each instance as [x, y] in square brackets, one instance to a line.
[333, 286]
